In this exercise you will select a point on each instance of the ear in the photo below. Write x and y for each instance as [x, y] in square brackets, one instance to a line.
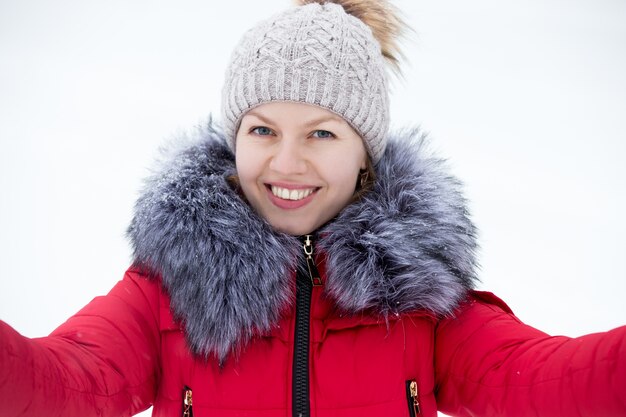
[364, 162]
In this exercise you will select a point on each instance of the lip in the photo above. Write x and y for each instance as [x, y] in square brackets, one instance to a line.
[290, 204]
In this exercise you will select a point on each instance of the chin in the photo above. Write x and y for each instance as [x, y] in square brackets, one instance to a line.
[294, 228]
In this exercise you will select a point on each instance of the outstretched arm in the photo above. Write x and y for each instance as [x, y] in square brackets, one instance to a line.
[488, 363]
[102, 362]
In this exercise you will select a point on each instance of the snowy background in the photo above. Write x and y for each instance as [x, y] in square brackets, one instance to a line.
[527, 100]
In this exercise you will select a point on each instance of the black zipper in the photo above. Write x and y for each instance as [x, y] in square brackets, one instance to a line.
[412, 398]
[305, 281]
[187, 402]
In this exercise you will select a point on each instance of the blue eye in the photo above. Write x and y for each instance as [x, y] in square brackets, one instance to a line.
[323, 134]
[262, 131]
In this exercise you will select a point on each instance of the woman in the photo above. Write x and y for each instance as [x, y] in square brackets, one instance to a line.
[304, 261]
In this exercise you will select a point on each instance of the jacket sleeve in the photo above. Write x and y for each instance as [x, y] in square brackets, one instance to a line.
[488, 363]
[103, 361]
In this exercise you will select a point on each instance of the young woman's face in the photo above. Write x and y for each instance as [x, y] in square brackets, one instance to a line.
[297, 164]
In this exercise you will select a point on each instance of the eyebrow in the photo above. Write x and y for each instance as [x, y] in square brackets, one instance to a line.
[258, 116]
[312, 122]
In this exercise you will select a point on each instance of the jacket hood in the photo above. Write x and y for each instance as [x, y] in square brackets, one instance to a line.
[407, 245]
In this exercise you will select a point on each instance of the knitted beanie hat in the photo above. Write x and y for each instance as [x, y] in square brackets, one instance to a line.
[316, 54]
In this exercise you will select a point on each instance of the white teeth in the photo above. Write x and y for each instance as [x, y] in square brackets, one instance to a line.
[286, 194]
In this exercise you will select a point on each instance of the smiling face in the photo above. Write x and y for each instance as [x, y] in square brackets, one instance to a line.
[297, 164]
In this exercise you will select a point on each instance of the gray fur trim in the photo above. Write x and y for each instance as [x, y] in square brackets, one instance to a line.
[407, 245]
[223, 267]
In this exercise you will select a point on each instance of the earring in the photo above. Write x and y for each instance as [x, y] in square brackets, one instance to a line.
[363, 177]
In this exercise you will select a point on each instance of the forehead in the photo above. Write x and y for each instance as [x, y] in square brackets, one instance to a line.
[293, 112]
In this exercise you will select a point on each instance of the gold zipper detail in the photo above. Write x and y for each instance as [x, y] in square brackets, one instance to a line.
[414, 397]
[310, 261]
[187, 403]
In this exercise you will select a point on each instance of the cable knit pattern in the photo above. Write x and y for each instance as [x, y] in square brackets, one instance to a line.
[407, 245]
[315, 54]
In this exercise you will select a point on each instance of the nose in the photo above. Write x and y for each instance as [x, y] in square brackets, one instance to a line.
[288, 157]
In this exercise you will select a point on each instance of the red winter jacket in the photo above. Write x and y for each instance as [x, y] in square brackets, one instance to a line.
[211, 313]
[123, 352]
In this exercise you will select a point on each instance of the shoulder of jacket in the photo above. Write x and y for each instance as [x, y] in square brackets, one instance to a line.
[489, 298]
[152, 288]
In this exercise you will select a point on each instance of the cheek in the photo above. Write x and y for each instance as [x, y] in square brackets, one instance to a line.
[342, 176]
[246, 156]
[248, 168]
[343, 169]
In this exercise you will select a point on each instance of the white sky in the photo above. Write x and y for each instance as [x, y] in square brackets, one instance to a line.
[527, 100]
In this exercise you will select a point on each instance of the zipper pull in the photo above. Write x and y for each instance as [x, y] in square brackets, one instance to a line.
[414, 397]
[310, 262]
[187, 403]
